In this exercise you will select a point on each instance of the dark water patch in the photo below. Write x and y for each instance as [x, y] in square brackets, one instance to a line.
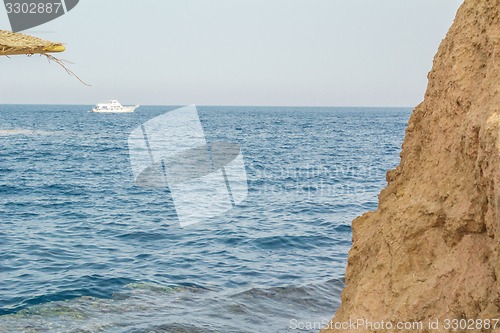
[89, 286]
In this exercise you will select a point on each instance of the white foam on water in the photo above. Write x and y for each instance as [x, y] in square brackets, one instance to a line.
[20, 131]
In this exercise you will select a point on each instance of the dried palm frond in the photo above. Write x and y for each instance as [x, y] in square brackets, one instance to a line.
[12, 43]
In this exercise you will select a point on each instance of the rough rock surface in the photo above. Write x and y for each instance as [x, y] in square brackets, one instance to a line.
[432, 248]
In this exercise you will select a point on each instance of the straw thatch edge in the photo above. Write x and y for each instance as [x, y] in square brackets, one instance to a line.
[13, 43]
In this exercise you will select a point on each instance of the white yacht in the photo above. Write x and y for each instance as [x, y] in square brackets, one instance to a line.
[114, 106]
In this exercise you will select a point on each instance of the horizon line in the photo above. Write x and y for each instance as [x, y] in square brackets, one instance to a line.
[227, 105]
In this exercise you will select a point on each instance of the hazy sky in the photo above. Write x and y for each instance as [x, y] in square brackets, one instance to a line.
[235, 52]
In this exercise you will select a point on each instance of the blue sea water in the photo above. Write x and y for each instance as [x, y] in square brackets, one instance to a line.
[83, 249]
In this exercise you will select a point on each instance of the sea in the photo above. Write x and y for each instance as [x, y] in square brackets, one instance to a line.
[83, 248]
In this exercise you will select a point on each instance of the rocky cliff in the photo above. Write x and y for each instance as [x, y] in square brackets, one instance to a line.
[432, 248]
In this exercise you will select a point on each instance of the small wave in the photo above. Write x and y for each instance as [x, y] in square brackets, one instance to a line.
[159, 288]
[291, 242]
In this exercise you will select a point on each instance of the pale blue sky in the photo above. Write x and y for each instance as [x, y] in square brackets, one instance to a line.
[235, 52]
